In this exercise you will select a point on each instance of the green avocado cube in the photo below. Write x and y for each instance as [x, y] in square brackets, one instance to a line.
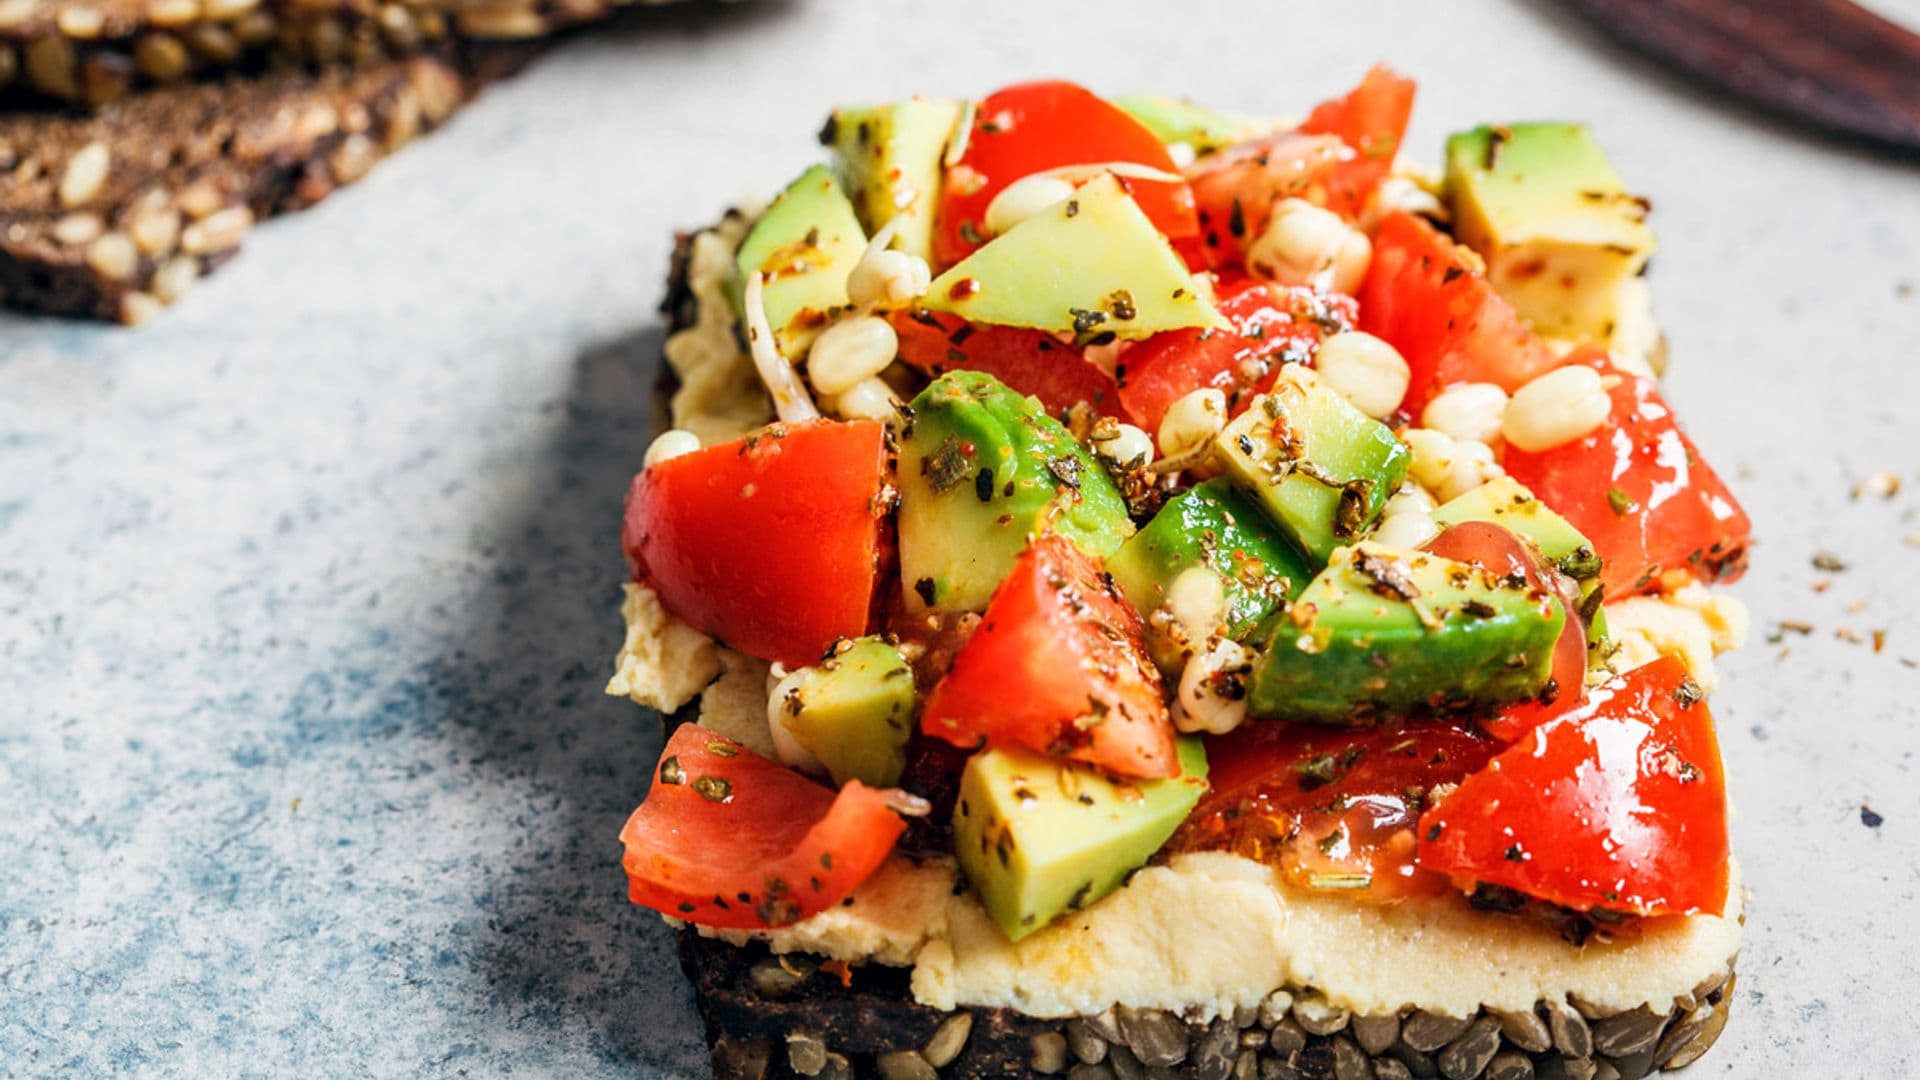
[1386, 632]
[982, 469]
[1092, 266]
[1320, 468]
[888, 156]
[1559, 231]
[854, 711]
[1173, 120]
[1506, 502]
[1213, 526]
[1039, 837]
[804, 245]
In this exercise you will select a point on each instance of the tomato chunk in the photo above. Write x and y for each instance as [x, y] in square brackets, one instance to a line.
[1620, 804]
[1272, 325]
[1427, 297]
[770, 543]
[1031, 361]
[1058, 665]
[1331, 809]
[728, 838]
[1236, 188]
[1370, 119]
[1640, 491]
[1037, 126]
[1485, 544]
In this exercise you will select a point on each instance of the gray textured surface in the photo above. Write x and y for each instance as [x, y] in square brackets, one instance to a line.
[306, 591]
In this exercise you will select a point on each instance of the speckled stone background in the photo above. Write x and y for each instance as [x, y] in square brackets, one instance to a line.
[307, 590]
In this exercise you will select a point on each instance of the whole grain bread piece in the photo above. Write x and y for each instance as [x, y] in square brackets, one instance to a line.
[115, 215]
[94, 52]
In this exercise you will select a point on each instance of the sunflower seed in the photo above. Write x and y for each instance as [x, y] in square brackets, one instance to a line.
[227, 10]
[1048, 1052]
[52, 66]
[1682, 1032]
[904, 1065]
[741, 1060]
[1604, 1070]
[1466, 1056]
[216, 43]
[1636, 1065]
[1276, 1069]
[1349, 1061]
[78, 228]
[15, 12]
[1125, 1065]
[1571, 1036]
[837, 1068]
[1273, 1007]
[255, 28]
[85, 174]
[1214, 1050]
[1510, 1065]
[1086, 1044]
[80, 23]
[1089, 1071]
[1711, 985]
[138, 307]
[1313, 1013]
[218, 231]
[112, 256]
[1565, 1068]
[161, 57]
[778, 976]
[1428, 1031]
[1155, 1037]
[105, 78]
[1389, 1069]
[1416, 1063]
[1253, 1038]
[806, 1054]
[1524, 1029]
[500, 21]
[1375, 1033]
[1106, 1025]
[9, 64]
[948, 1040]
[155, 231]
[173, 12]
[1247, 1065]
[1690, 1051]
[174, 278]
[1287, 1038]
[1627, 1033]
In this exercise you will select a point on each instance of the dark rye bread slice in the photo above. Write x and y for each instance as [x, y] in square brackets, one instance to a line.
[772, 1017]
[93, 52]
[115, 215]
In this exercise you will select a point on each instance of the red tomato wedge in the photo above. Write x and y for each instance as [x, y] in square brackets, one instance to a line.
[770, 543]
[1331, 809]
[1620, 804]
[1030, 361]
[1427, 297]
[1038, 126]
[1058, 665]
[1371, 119]
[1640, 491]
[728, 838]
[1484, 544]
[1272, 325]
[1235, 189]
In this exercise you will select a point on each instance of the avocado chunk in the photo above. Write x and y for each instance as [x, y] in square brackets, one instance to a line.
[1173, 120]
[1039, 838]
[1506, 502]
[805, 245]
[1213, 526]
[888, 156]
[853, 712]
[983, 468]
[1559, 231]
[1391, 632]
[1320, 468]
[1092, 266]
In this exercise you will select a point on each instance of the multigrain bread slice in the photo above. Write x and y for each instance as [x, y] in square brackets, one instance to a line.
[114, 215]
[94, 52]
[769, 1016]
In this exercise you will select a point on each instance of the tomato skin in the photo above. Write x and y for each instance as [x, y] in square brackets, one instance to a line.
[1678, 513]
[1273, 325]
[1030, 361]
[1268, 803]
[1485, 544]
[1058, 644]
[741, 842]
[1426, 296]
[1370, 119]
[1235, 189]
[770, 543]
[1620, 804]
[1036, 126]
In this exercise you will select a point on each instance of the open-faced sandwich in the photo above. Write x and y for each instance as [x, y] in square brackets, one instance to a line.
[1141, 591]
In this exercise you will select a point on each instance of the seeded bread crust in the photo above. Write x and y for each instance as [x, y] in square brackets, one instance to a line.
[96, 52]
[113, 216]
